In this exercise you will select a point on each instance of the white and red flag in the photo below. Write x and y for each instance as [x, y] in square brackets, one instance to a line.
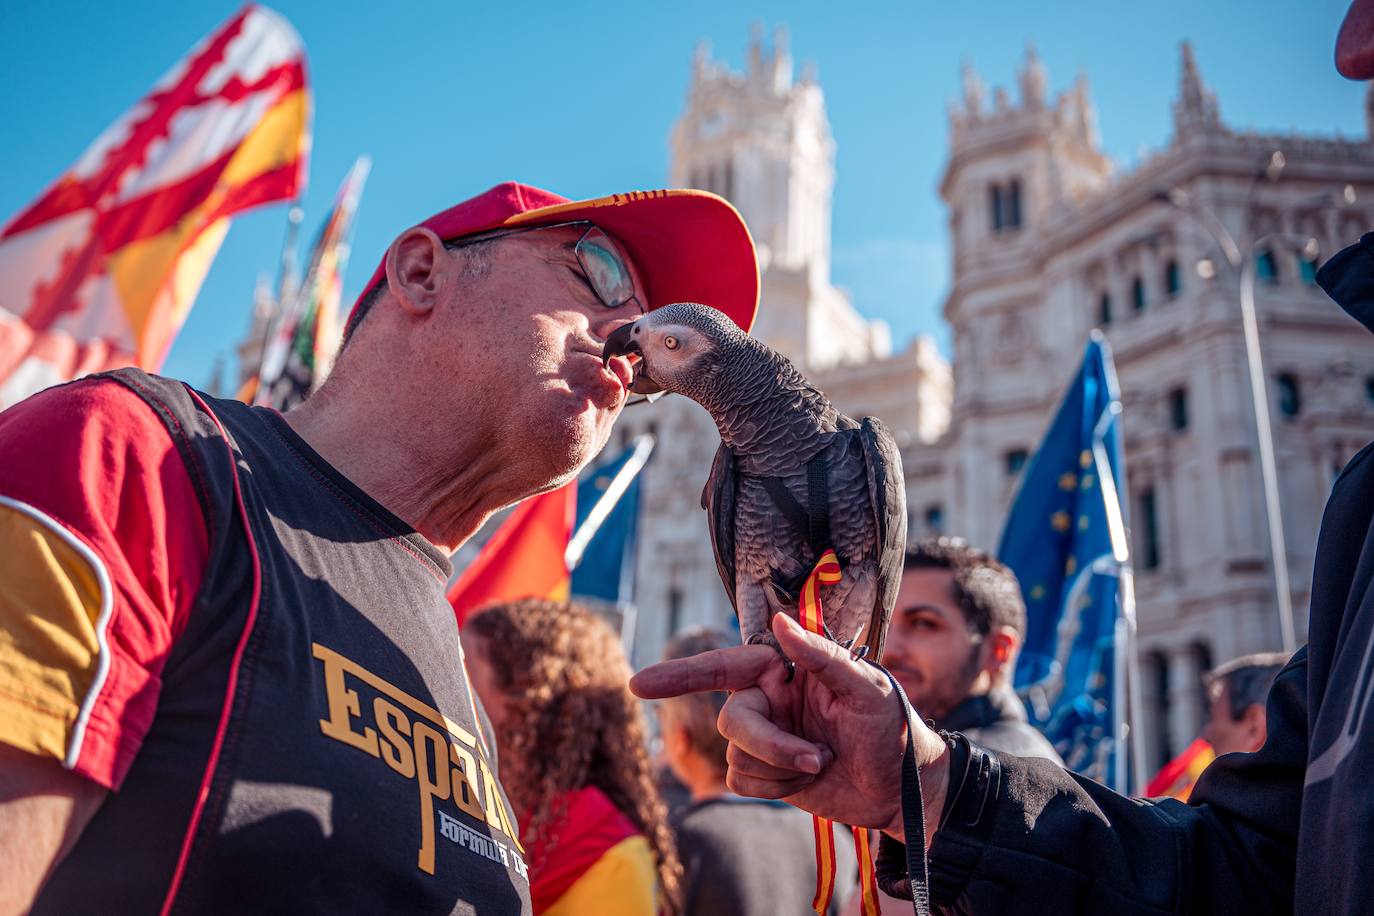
[101, 270]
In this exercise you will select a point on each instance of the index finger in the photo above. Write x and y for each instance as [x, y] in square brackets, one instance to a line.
[733, 668]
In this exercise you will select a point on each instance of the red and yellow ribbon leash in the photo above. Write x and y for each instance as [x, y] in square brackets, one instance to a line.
[827, 572]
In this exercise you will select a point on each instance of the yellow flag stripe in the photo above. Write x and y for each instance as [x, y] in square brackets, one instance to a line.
[812, 616]
[824, 831]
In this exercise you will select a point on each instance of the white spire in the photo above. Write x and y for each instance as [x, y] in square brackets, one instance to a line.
[1033, 80]
[1196, 107]
[973, 90]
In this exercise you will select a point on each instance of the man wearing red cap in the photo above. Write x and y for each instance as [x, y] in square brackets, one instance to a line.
[229, 680]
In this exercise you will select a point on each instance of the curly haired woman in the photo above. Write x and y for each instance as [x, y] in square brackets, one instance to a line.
[552, 677]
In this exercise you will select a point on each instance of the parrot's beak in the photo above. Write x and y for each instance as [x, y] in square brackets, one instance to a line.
[622, 343]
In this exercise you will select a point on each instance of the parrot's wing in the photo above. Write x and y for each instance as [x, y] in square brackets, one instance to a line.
[718, 499]
[887, 496]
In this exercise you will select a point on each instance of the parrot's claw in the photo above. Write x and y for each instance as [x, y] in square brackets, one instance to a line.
[856, 653]
[766, 639]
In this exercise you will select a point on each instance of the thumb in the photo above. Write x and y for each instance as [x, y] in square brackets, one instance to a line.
[818, 656]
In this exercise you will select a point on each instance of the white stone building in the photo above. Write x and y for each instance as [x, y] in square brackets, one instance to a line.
[1048, 242]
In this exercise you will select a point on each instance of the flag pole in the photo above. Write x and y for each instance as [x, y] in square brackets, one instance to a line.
[286, 283]
[577, 544]
[1125, 654]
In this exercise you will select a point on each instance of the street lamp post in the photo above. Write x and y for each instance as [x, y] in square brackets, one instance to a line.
[1242, 261]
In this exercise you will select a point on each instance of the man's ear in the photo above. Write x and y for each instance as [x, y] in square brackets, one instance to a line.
[1255, 726]
[414, 269]
[1003, 644]
[678, 736]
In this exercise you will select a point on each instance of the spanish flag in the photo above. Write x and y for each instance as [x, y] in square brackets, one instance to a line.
[1177, 777]
[524, 558]
[102, 269]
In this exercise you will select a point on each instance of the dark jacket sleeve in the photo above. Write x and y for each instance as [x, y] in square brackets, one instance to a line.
[1033, 838]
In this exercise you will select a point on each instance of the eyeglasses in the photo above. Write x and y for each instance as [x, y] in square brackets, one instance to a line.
[603, 264]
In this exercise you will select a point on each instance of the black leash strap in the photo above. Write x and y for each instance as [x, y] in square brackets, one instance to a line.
[812, 520]
[787, 504]
[913, 809]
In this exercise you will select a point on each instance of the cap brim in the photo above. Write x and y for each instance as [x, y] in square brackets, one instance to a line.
[1355, 42]
[689, 246]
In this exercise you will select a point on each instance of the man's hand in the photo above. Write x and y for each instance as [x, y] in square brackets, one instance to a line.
[831, 742]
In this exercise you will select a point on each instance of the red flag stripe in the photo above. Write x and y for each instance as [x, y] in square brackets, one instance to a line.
[812, 616]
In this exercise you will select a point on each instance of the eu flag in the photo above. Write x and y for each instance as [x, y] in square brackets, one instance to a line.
[1058, 541]
[605, 567]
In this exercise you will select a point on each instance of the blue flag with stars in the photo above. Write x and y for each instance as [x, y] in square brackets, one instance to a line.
[1058, 542]
[606, 569]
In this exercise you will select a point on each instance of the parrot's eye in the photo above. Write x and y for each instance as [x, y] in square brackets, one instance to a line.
[670, 342]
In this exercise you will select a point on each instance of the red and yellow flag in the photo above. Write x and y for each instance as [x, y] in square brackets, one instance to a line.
[524, 558]
[1177, 777]
[101, 270]
[812, 617]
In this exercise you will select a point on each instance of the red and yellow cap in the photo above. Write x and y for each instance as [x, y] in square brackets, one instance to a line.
[689, 246]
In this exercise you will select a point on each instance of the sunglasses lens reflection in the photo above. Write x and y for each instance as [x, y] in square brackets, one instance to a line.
[605, 268]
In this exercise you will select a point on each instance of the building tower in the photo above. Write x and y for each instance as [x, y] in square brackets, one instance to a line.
[1011, 169]
[761, 140]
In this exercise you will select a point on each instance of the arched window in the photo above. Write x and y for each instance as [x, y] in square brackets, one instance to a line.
[1104, 309]
[1014, 204]
[1138, 293]
[1015, 460]
[674, 611]
[1290, 394]
[1173, 282]
[1204, 662]
[1157, 663]
[1308, 267]
[1149, 530]
[1178, 409]
[1266, 266]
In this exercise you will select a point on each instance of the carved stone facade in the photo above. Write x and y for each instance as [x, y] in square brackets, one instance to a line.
[1082, 248]
[1047, 243]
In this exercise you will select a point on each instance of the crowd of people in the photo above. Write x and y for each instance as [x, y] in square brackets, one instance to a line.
[609, 832]
[230, 680]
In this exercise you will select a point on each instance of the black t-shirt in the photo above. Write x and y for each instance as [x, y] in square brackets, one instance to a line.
[751, 857]
[316, 746]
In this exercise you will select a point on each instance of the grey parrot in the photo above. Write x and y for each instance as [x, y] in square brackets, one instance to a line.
[792, 477]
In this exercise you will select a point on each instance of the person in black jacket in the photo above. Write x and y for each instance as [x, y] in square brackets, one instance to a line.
[956, 630]
[1289, 828]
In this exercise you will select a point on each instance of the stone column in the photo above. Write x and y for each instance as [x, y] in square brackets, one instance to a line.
[1153, 706]
[1149, 275]
[1184, 703]
[1116, 290]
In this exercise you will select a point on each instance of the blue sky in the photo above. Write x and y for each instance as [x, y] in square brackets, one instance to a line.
[579, 98]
